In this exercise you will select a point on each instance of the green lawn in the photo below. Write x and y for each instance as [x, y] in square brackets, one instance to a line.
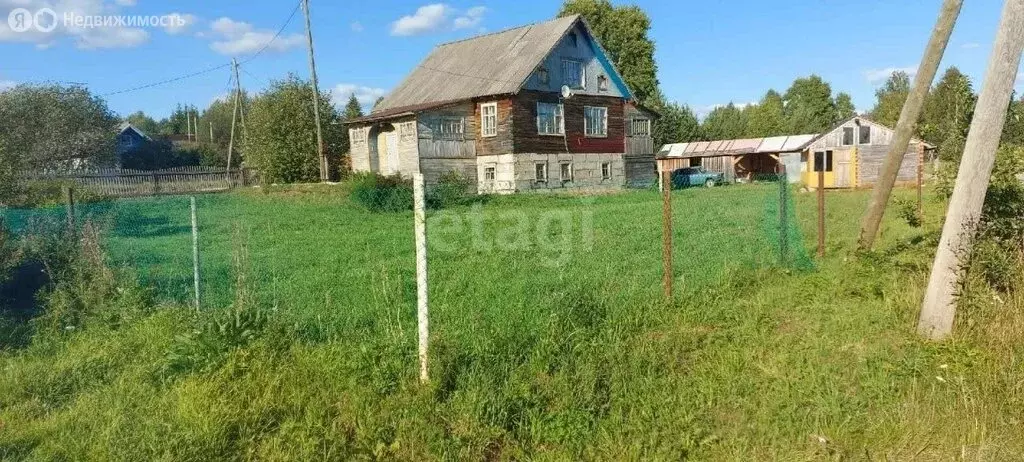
[549, 338]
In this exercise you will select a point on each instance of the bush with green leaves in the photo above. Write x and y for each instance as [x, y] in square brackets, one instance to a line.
[282, 141]
[379, 193]
[998, 252]
[451, 189]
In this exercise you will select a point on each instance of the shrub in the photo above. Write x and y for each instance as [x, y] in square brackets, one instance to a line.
[380, 193]
[907, 210]
[998, 252]
[452, 189]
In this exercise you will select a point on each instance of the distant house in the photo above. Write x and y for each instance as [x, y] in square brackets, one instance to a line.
[851, 154]
[130, 141]
[491, 108]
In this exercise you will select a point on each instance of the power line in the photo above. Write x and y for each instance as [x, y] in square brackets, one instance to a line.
[255, 77]
[278, 34]
[164, 82]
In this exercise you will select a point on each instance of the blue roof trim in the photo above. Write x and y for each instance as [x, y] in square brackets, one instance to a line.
[603, 59]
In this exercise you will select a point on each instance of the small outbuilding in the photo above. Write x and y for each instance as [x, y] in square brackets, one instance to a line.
[850, 154]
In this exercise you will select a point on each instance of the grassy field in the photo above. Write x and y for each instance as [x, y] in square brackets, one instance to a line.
[550, 340]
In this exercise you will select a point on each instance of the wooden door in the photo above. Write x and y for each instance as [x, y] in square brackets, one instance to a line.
[392, 155]
[843, 168]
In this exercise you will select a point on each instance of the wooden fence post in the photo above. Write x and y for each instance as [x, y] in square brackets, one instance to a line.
[666, 234]
[821, 208]
[920, 182]
[69, 201]
[156, 183]
[420, 225]
[195, 251]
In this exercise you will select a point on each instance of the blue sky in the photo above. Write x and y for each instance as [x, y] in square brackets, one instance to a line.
[708, 52]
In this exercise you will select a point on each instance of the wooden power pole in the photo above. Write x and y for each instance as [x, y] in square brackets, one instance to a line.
[908, 119]
[316, 96]
[939, 308]
[234, 114]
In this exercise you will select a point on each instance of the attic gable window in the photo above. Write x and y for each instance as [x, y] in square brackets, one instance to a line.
[865, 134]
[574, 40]
[847, 136]
[602, 83]
[542, 76]
[573, 74]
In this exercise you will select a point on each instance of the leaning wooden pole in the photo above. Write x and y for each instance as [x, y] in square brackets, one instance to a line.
[939, 308]
[321, 154]
[234, 115]
[908, 119]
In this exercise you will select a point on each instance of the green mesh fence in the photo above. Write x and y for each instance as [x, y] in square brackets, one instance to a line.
[323, 254]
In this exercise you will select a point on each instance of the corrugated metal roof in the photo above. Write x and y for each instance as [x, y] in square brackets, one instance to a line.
[772, 144]
[491, 64]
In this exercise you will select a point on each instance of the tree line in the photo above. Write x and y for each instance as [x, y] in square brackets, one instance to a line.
[61, 127]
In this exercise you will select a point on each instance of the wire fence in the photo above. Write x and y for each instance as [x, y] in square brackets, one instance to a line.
[320, 254]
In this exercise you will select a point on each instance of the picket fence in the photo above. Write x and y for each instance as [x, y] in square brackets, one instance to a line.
[128, 183]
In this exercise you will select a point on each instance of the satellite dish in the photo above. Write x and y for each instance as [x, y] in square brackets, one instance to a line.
[566, 91]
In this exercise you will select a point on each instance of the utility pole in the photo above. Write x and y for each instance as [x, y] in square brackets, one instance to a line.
[316, 97]
[211, 132]
[195, 124]
[188, 123]
[908, 119]
[234, 114]
[939, 307]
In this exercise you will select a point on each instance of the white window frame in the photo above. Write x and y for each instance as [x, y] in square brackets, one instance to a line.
[489, 122]
[602, 82]
[580, 84]
[450, 128]
[640, 127]
[859, 137]
[543, 168]
[606, 171]
[358, 136]
[559, 119]
[842, 136]
[589, 131]
[562, 168]
[492, 171]
[407, 132]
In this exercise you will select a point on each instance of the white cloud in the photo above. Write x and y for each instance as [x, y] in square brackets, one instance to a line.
[356, 26]
[471, 18]
[878, 75]
[365, 95]
[234, 38]
[437, 17]
[94, 37]
[428, 18]
[180, 22]
[970, 45]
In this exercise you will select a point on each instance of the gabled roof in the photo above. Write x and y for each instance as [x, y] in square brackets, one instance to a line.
[835, 127]
[128, 125]
[491, 64]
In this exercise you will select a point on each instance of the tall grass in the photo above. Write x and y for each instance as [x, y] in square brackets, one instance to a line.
[534, 355]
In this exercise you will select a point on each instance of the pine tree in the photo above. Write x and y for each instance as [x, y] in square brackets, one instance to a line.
[676, 124]
[353, 109]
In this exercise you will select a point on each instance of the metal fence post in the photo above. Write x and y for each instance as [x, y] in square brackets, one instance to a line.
[195, 251]
[666, 234]
[420, 225]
